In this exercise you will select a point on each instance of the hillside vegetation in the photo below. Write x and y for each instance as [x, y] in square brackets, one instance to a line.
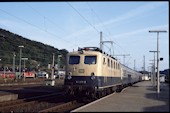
[39, 55]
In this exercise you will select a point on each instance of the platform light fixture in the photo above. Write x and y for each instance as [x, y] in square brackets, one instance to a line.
[158, 31]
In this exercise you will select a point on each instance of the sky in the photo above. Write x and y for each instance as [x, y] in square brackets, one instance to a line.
[69, 25]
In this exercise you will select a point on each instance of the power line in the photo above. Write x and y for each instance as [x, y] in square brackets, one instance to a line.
[44, 17]
[85, 18]
[106, 28]
[53, 23]
[82, 17]
[38, 14]
[96, 15]
[35, 26]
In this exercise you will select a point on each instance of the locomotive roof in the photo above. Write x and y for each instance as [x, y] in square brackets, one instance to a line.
[95, 49]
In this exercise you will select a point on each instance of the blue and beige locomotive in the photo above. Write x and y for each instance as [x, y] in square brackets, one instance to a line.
[92, 72]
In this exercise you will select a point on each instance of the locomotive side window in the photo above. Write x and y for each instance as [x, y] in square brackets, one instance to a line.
[108, 62]
[111, 64]
[74, 59]
[114, 65]
[90, 60]
[104, 61]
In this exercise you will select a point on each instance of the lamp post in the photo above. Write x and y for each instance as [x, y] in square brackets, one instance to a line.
[14, 62]
[158, 31]
[20, 60]
[24, 65]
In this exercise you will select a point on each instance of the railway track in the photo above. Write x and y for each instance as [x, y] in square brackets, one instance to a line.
[56, 102]
[31, 104]
[63, 107]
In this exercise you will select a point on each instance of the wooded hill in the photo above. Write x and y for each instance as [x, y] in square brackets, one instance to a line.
[36, 52]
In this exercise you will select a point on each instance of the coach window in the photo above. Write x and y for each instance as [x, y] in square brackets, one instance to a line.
[90, 60]
[111, 64]
[108, 61]
[74, 60]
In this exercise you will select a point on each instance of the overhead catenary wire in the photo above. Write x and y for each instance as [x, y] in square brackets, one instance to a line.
[106, 28]
[97, 17]
[83, 17]
[37, 27]
[53, 23]
[45, 30]
[94, 26]
[45, 17]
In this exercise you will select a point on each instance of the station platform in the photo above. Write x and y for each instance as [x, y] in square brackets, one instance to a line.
[141, 97]
[6, 96]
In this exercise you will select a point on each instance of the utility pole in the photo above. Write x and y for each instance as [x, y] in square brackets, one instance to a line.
[24, 65]
[134, 64]
[158, 31]
[154, 75]
[124, 55]
[101, 41]
[52, 71]
[51, 81]
[111, 42]
[20, 60]
[13, 62]
[144, 63]
[59, 56]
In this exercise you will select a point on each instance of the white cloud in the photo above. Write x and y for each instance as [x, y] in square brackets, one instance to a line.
[128, 15]
[160, 27]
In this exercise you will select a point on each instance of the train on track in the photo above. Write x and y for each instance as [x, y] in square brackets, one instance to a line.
[94, 73]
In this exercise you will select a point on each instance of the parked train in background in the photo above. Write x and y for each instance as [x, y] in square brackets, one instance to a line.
[94, 73]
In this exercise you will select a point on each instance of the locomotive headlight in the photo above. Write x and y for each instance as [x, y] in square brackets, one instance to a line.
[69, 77]
[92, 76]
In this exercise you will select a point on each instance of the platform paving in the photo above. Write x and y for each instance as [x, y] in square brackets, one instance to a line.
[5, 96]
[141, 97]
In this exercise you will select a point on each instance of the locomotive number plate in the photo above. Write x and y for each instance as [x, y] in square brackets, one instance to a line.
[81, 70]
[81, 82]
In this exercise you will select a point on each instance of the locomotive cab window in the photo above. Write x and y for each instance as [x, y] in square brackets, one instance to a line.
[74, 59]
[90, 60]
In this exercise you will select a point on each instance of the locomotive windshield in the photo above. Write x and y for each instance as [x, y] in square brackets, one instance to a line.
[90, 60]
[74, 59]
